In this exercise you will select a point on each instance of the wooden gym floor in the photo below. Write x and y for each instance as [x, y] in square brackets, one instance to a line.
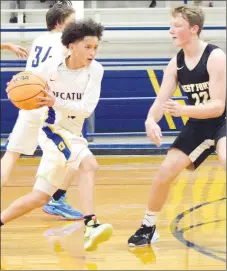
[192, 225]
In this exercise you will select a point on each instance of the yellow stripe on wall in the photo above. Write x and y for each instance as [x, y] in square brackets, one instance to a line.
[156, 86]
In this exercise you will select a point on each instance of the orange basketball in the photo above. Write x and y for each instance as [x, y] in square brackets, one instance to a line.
[24, 88]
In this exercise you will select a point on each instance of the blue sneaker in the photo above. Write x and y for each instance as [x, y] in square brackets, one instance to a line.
[62, 208]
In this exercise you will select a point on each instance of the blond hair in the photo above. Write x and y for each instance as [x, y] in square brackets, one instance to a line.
[194, 16]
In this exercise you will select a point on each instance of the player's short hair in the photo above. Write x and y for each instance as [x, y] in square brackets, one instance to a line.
[194, 15]
[80, 29]
[58, 14]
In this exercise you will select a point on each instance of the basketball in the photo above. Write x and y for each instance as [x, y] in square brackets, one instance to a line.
[24, 88]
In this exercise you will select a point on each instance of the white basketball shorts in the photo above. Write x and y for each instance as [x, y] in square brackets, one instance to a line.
[24, 137]
[61, 150]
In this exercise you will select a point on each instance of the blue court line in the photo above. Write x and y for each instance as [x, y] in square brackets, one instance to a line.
[131, 134]
[125, 99]
[18, 65]
[113, 28]
[92, 146]
[127, 146]
[115, 134]
[131, 59]
[179, 233]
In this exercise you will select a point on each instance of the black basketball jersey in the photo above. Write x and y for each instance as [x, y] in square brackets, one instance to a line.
[195, 82]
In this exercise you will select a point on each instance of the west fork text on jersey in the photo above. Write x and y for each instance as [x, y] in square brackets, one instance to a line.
[196, 87]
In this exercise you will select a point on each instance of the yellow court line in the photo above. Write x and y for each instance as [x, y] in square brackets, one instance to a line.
[217, 188]
[199, 187]
[156, 86]
[178, 191]
[199, 195]
[115, 159]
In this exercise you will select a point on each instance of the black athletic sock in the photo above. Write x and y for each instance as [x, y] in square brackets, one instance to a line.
[87, 218]
[1, 224]
[58, 194]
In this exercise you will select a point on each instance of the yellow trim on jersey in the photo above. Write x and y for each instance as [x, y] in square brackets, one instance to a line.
[64, 139]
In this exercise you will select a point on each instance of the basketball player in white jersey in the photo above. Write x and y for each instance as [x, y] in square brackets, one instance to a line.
[24, 137]
[74, 91]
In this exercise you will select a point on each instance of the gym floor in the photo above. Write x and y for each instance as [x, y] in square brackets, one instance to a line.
[192, 225]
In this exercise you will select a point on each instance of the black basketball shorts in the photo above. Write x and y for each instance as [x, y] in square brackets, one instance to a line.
[199, 140]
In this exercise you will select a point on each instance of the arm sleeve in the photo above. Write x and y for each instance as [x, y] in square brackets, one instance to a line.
[90, 99]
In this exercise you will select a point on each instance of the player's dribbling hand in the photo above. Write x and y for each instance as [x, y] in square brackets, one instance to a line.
[48, 100]
[153, 132]
[173, 108]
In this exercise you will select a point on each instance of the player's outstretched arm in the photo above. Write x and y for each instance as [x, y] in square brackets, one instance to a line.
[156, 111]
[18, 50]
[166, 91]
[213, 108]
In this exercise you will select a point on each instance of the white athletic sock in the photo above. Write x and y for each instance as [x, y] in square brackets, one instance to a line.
[150, 218]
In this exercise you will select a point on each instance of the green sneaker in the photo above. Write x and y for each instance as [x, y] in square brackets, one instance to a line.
[96, 233]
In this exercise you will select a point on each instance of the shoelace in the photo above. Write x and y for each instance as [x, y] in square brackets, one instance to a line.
[63, 200]
[144, 230]
[95, 225]
[67, 206]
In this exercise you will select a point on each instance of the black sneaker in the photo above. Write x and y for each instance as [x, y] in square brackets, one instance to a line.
[143, 237]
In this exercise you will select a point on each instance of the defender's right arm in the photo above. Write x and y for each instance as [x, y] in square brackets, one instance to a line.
[156, 111]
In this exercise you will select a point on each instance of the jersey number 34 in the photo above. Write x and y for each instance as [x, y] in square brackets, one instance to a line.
[41, 55]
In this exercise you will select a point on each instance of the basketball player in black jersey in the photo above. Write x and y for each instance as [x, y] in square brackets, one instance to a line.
[200, 69]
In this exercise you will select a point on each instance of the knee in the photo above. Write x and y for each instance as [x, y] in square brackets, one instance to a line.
[89, 166]
[4, 178]
[221, 151]
[166, 173]
[7, 163]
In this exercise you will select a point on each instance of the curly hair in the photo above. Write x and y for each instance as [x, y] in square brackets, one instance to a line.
[78, 30]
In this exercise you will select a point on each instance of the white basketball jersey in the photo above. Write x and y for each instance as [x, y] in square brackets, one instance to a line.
[46, 47]
[77, 94]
